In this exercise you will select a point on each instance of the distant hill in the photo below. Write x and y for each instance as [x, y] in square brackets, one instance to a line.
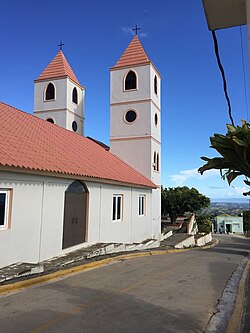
[230, 200]
[234, 206]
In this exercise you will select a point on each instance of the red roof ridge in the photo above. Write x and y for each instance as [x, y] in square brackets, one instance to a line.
[134, 54]
[57, 68]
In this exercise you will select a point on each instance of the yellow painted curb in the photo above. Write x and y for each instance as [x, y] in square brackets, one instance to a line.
[5, 289]
[234, 324]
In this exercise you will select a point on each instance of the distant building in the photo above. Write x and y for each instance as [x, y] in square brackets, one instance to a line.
[225, 223]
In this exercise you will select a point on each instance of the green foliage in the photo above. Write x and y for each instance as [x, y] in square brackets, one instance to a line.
[234, 147]
[179, 200]
[246, 220]
[204, 223]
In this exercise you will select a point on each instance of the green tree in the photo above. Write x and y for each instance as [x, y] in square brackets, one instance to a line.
[246, 220]
[179, 200]
[204, 223]
[234, 148]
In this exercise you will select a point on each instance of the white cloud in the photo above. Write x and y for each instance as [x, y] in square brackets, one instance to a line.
[237, 191]
[210, 183]
[180, 178]
[129, 31]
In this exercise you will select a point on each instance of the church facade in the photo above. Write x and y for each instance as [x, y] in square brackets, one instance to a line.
[59, 190]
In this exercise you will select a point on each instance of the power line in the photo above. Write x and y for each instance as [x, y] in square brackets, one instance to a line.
[244, 73]
[216, 49]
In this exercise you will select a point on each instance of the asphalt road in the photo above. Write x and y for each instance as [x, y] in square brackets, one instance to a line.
[167, 293]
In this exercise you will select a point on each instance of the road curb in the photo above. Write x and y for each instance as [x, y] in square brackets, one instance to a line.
[235, 321]
[12, 287]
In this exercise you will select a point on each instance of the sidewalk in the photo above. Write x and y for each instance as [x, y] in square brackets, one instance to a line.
[246, 314]
[87, 255]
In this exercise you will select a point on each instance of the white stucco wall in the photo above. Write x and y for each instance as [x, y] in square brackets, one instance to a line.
[135, 143]
[156, 98]
[35, 231]
[62, 110]
[156, 213]
[60, 101]
[117, 84]
[145, 85]
[136, 153]
[37, 210]
[132, 227]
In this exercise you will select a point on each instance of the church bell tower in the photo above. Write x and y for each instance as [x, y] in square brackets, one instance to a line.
[59, 97]
[135, 118]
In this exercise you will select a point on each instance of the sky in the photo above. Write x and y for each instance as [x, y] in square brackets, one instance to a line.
[176, 38]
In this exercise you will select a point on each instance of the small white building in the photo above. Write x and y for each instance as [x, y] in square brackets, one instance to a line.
[59, 190]
[225, 223]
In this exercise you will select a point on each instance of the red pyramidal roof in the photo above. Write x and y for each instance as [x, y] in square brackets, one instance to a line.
[133, 55]
[59, 67]
[30, 143]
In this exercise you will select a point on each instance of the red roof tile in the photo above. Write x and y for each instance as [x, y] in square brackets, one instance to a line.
[133, 55]
[29, 142]
[59, 67]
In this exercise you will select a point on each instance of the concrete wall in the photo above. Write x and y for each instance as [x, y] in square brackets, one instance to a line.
[204, 240]
[188, 242]
[37, 209]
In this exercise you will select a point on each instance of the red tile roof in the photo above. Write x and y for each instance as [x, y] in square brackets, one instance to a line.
[31, 143]
[133, 55]
[58, 68]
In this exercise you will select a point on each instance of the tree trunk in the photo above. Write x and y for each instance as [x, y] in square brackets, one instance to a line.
[173, 218]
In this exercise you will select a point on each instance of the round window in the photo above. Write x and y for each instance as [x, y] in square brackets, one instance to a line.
[50, 120]
[156, 119]
[130, 116]
[74, 126]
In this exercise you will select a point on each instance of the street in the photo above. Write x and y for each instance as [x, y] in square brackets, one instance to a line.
[175, 292]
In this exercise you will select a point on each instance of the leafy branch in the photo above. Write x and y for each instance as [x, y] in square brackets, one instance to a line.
[234, 147]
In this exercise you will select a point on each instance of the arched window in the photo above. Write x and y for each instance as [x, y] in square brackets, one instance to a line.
[74, 96]
[154, 162]
[50, 120]
[50, 92]
[157, 162]
[156, 119]
[155, 85]
[130, 81]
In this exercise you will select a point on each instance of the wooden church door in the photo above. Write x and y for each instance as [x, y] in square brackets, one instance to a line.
[75, 207]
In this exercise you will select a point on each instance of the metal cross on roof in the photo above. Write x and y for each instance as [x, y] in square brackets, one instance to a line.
[60, 45]
[136, 29]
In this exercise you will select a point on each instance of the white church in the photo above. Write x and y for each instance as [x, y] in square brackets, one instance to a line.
[59, 190]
